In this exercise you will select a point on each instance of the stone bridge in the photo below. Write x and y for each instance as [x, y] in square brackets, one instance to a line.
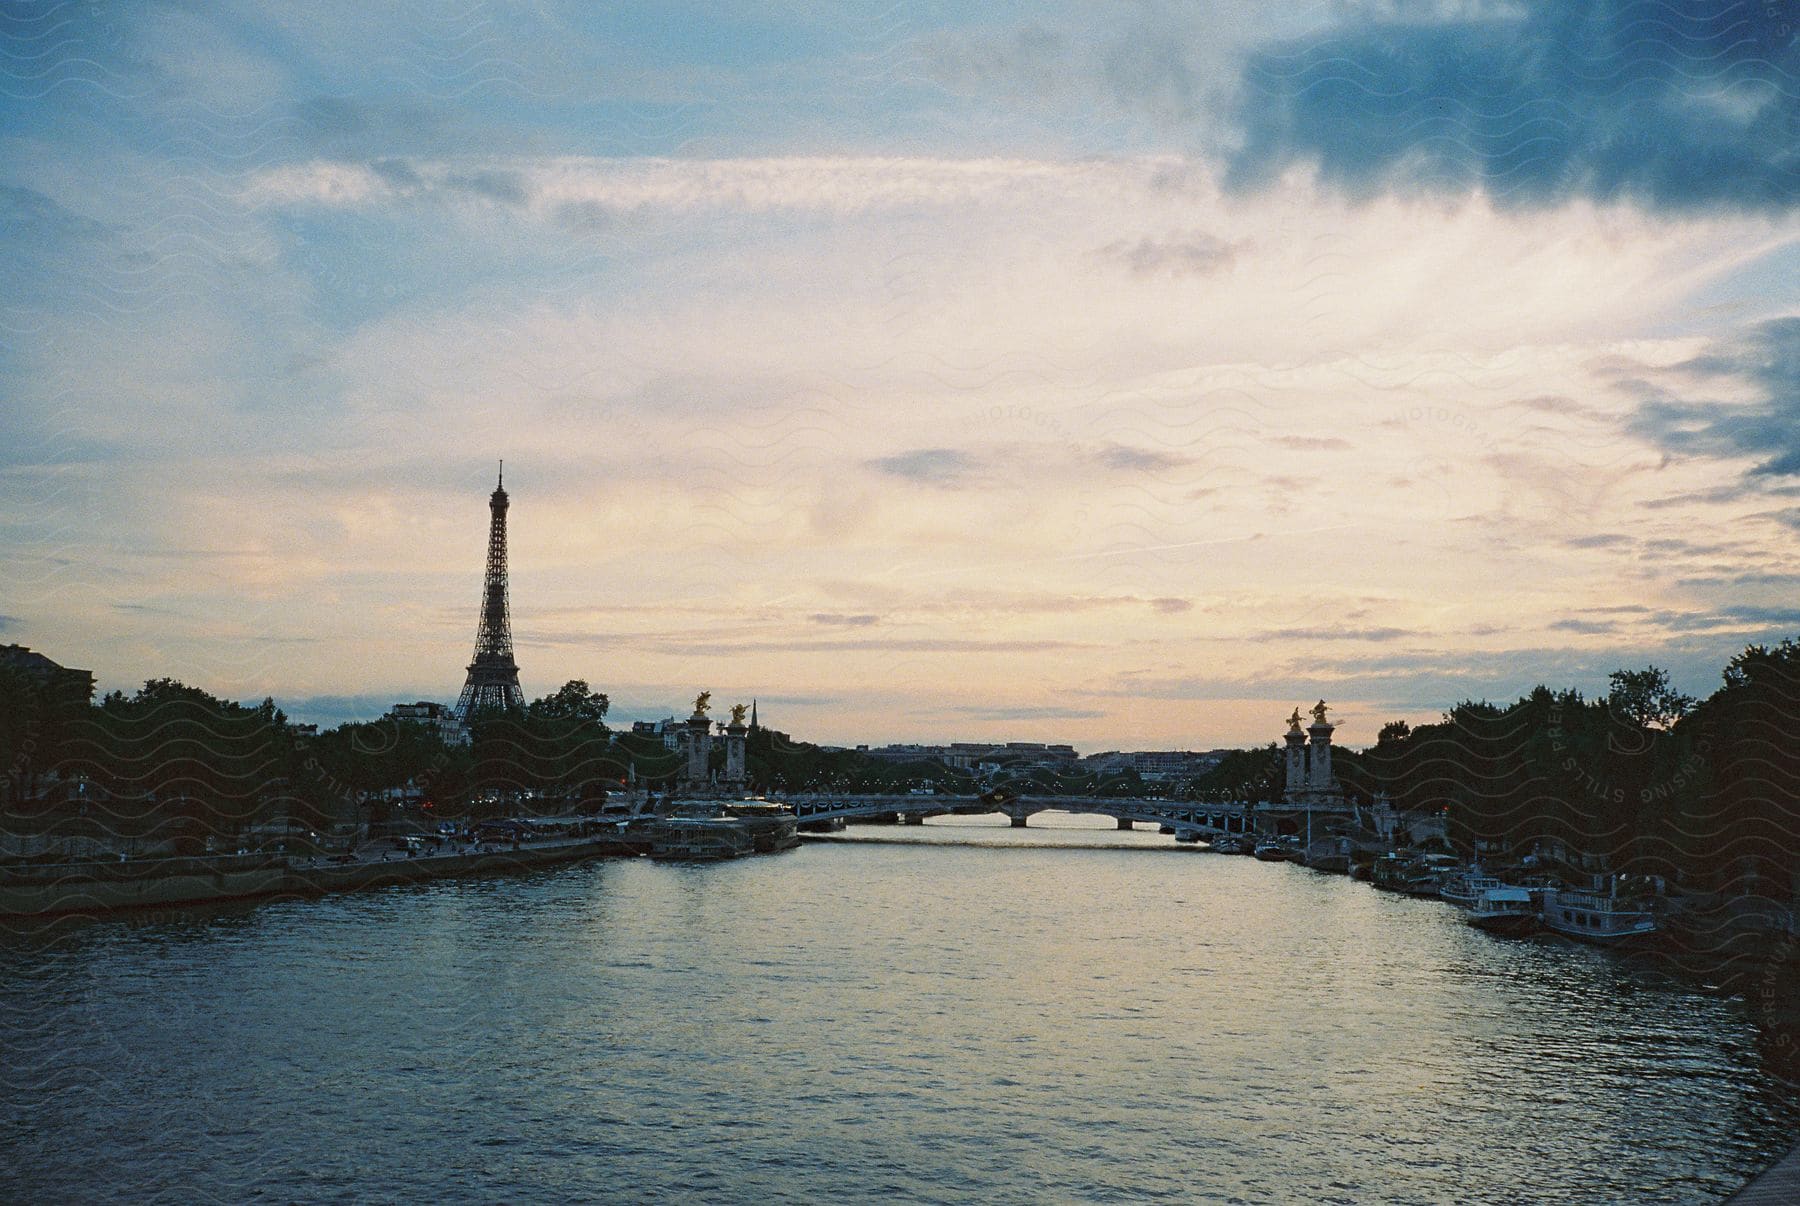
[1182, 816]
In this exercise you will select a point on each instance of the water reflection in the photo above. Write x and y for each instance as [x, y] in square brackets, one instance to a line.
[1088, 1013]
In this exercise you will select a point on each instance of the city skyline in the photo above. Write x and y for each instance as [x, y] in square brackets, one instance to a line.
[969, 372]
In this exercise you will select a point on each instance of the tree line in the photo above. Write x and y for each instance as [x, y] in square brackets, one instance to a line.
[1643, 776]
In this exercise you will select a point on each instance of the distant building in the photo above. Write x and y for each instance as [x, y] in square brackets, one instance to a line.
[438, 716]
[1154, 766]
[968, 755]
[59, 680]
[668, 730]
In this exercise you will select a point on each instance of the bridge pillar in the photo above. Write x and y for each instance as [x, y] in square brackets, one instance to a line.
[1018, 820]
[1124, 824]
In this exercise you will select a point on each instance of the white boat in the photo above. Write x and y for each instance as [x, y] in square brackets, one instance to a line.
[1504, 910]
[1463, 888]
[1598, 916]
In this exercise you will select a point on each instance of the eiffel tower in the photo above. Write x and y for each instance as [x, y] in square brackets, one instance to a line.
[493, 680]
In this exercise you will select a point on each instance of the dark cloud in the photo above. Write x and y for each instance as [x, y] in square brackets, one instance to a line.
[1788, 517]
[1195, 253]
[26, 211]
[1734, 618]
[1335, 634]
[1588, 627]
[933, 466]
[1599, 540]
[844, 621]
[8, 622]
[1310, 443]
[683, 647]
[1734, 492]
[397, 172]
[1766, 357]
[1133, 460]
[1171, 607]
[508, 188]
[584, 217]
[1046, 712]
[1670, 104]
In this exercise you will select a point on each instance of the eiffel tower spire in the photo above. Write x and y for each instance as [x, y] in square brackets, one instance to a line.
[493, 680]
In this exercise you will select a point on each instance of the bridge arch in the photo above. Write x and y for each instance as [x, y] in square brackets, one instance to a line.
[1198, 817]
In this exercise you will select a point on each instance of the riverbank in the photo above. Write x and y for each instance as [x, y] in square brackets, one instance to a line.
[92, 887]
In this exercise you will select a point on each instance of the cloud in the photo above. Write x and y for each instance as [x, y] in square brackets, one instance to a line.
[1026, 712]
[26, 210]
[1171, 607]
[1193, 254]
[1674, 105]
[1335, 634]
[558, 186]
[8, 622]
[1311, 443]
[684, 647]
[1766, 359]
[397, 173]
[930, 466]
[844, 621]
[1584, 626]
[1132, 460]
[508, 188]
[1787, 517]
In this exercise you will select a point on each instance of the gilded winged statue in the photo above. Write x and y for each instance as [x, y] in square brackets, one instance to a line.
[702, 702]
[737, 713]
[1319, 711]
[1294, 720]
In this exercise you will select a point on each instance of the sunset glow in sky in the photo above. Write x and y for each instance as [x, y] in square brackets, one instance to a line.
[1115, 374]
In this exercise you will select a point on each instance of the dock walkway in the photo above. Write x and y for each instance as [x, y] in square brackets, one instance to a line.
[1778, 1186]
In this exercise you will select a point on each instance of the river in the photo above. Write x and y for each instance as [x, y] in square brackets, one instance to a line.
[958, 1012]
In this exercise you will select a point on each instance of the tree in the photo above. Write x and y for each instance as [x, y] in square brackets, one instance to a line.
[572, 701]
[1645, 698]
[1393, 731]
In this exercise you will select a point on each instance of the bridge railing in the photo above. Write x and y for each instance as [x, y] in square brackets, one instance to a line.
[825, 806]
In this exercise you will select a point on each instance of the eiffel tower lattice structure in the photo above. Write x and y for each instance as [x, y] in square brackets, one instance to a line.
[493, 681]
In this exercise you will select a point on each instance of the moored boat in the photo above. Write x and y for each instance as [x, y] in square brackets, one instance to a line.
[1426, 875]
[1390, 872]
[1270, 851]
[1504, 910]
[1603, 917]
[1463, 888]
[699, 839]
[1328, 854]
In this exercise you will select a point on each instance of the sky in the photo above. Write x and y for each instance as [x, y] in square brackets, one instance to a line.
[1122, 375]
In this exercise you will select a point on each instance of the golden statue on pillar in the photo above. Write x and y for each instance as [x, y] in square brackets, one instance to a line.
[1318, 712]
[702, 702]
[737, 713]
[1294, 720]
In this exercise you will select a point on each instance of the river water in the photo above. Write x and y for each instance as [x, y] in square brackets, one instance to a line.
[959, 1012]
